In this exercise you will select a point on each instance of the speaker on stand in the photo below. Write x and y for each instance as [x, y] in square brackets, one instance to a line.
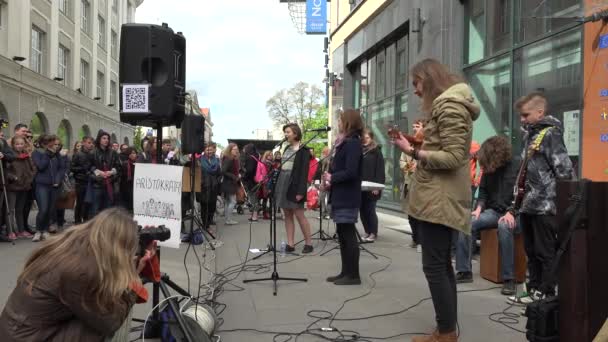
[583, 299]
[152, 75]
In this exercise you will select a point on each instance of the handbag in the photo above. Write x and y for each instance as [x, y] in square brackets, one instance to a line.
[240, 194]
[67, 186]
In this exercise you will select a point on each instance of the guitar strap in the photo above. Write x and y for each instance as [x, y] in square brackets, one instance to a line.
[533, 148]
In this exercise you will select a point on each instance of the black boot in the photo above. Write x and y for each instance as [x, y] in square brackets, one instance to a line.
[342, 260]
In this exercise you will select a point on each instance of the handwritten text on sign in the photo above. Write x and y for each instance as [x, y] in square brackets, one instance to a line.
[157, 197]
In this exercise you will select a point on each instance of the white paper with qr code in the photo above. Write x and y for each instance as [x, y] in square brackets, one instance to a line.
[157, 195]
[135, 98]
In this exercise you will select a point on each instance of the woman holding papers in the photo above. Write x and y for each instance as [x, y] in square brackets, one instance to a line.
[372, 170]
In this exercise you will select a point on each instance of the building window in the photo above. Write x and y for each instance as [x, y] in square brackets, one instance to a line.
[488, 28]
[535, 18]
[101, 85]
[114, 44]
[84, 77]
[115, 6]
[354, 3]
[85, 10]
[364, 84]
[401, 79]
[37, 49]
[63, 60]
[64, 7]
[102, 32]
[113, 91]
[381, 75]
[491, 85]
[552, 66]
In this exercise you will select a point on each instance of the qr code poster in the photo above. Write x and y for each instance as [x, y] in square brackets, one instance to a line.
[135, 98]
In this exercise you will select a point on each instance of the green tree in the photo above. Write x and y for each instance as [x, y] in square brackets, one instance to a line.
[318, 120]
[139, 135]
[296, 104]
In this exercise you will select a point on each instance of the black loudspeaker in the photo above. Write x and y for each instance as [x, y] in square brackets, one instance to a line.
[155, 56]
[193, 134]
[583, 274]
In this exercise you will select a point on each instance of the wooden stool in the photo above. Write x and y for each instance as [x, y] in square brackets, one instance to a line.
[490, 258]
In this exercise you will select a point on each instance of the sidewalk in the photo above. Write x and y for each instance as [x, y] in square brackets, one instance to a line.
[391, 284]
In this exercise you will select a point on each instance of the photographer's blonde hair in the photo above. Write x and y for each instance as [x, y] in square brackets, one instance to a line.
[110, 238]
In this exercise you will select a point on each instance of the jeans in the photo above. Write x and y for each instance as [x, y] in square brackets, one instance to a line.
[349, 249]
[488, 219]
[46, 196]
[81, 212]
[16, 202]
[369, 218]
[436, 240]
[101, 201]
[540, 242]
[229, 206]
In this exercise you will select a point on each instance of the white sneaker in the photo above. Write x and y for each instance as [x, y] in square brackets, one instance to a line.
[37, 237]
[45, 235]
[525, 298]
[231, 222]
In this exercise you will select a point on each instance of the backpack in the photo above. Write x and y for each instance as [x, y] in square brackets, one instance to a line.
[260, 172]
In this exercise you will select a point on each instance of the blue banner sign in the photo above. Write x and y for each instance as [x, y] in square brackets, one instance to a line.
[316, 16]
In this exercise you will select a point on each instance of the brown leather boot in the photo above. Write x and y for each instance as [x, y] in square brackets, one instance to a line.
[437, 337]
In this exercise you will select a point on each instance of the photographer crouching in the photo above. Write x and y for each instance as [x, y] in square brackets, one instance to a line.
[80, 285]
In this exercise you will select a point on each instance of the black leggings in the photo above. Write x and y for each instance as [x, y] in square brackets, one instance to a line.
[349, 249]
[436, 240]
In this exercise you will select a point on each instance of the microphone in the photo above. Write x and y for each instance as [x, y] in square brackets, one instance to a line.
[324, 129]
[280, 143]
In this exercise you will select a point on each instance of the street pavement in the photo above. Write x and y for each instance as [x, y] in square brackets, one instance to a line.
[392, 286]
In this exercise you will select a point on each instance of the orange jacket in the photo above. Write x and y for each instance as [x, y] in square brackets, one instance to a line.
[473, 163]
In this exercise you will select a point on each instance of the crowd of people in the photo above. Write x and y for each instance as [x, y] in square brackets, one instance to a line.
[96, 174]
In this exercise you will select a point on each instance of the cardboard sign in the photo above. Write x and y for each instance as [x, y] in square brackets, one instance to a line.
[157, 195]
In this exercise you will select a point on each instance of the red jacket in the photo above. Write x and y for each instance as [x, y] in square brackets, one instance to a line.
[312, 169]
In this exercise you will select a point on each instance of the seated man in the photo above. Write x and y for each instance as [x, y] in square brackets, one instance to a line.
[500, 170]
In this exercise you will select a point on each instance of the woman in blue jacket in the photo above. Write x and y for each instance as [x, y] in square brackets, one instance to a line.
[344, 180]
[48, 179]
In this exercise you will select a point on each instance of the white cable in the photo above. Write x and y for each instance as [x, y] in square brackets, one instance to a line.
[143, 334]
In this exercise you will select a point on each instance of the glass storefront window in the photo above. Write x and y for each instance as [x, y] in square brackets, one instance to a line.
[382, 116]
[491, 84]
[380, 75]
[401, 69]
[553, 67]
[363, 84]
[537, 17]
[488, 28]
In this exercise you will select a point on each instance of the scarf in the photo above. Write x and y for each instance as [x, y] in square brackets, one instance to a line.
[22, 155]
[210, 165]
[130, 166]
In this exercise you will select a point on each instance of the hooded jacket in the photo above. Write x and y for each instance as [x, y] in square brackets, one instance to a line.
[545, 166]
[104, 160]
[440, 190]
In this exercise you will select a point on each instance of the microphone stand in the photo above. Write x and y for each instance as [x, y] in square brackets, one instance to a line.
[273, 227]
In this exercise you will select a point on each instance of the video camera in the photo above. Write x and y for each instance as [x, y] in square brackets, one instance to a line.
[149, 234]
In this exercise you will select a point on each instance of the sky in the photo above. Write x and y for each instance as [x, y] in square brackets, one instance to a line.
[239, 53]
